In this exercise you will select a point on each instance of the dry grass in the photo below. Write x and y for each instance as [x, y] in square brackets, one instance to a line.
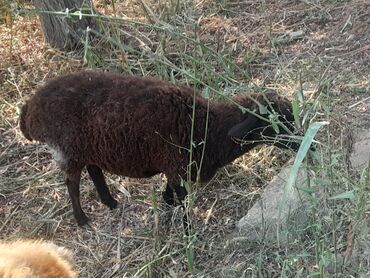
[270, 42]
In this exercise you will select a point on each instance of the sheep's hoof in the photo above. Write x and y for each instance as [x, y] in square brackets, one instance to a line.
[169, 200]
[82, 220]
[112, 203]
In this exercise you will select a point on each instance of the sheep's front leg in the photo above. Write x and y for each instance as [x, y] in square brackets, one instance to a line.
[181, 193]
[168, 196]
[98, 179]
[174, 183]
[73, 185]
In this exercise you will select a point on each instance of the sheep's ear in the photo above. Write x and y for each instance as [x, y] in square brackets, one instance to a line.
[241, 130]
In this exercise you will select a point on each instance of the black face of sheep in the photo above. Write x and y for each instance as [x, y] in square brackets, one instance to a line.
[138, 127]
[275, 126]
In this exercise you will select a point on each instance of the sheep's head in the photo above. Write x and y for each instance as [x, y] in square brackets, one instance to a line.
[271, 123]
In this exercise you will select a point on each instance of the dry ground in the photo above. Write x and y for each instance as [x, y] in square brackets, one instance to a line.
[276, 43]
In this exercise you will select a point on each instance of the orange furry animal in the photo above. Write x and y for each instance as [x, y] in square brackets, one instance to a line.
[31, 259]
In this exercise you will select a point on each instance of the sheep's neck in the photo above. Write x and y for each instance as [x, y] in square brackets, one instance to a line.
[220, 148]
[228, 115]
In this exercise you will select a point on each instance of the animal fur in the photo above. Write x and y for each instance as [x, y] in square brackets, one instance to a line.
[35, 259]
[139, 127]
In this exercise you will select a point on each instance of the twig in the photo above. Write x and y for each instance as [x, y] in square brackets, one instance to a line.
[209, 213]
[8, 218]
[350, 241]
[359, 102]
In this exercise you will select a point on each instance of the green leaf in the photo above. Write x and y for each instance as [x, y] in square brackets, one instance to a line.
[263, 109]
[274, 124]
[190, 257]
[324, 260]
[307, 190]
[186, 185]
[344, 195]
[299, 95]
[296, 112]
[301, 154]
[242, 109]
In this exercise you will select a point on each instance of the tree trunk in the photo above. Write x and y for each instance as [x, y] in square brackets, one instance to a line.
[62, 31]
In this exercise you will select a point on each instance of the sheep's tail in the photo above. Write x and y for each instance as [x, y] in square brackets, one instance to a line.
[22, 122]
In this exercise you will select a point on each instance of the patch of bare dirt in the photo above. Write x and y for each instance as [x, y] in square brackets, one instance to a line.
[286, 34]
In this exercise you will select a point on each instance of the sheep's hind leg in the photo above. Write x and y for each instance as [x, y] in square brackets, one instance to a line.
[73, 185]
[97, 177]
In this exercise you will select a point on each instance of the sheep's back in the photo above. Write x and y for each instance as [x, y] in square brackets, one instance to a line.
[124, 124]
[141, 133]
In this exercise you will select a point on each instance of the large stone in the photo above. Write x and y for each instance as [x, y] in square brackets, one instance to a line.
[277, 207]
[361, 150]
[280, 212]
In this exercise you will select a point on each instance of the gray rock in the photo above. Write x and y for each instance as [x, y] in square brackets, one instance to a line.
[280, 212]
[361, 150]
[270, 216]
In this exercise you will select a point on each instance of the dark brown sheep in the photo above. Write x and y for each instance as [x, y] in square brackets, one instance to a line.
[139, 127]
